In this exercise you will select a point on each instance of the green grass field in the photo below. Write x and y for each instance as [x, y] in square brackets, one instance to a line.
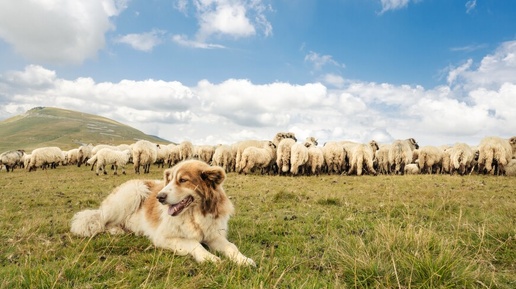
[422, 231]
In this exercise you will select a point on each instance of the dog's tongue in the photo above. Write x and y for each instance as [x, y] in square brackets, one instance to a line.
[174, 210]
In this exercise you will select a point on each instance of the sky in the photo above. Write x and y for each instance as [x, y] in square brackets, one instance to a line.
[222, 71]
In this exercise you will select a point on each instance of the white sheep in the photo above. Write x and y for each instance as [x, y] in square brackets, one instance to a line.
[430, 159]
[25, 160]
[382, 159]
[283, 153]
[400, 155]
[510, 168]
[45, 156]
[84, 154]
[412, 169]
[174, 155]
[494, 154]
[299, 155]
[222, 157]
[362, 156]
[239, 147]
[333, 154]
[462, 157]
[186, 150]
[315, 161]
[162, 155]
[204, 153]
[145, 154]
[109, 156]
[258, 158]
[71, 157]
[11, 159]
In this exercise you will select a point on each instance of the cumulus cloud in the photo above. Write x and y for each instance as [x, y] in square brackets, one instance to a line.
[143, 41]
[48, 30]
[235, 18]
[476, 102]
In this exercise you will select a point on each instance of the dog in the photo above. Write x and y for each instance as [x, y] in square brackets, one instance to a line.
[187, 209]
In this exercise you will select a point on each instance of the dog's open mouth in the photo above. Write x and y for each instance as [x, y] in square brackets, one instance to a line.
[176, 209]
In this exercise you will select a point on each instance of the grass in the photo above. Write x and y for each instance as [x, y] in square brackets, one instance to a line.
[304, 232]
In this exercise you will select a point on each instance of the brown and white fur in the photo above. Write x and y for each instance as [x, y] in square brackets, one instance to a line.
[189, 208]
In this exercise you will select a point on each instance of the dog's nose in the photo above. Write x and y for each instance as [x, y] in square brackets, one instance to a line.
[162, 197]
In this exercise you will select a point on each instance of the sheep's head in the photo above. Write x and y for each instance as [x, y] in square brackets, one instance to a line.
[374, 145]
[413, 143]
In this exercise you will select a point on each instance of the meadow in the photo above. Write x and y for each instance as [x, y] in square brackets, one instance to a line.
[418, 231]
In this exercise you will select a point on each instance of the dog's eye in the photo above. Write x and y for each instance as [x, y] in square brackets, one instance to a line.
[182, 180]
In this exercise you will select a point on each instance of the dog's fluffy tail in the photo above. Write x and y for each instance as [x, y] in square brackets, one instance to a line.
[114, 210]
[87, 223]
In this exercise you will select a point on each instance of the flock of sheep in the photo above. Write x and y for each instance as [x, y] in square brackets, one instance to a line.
[284, 155]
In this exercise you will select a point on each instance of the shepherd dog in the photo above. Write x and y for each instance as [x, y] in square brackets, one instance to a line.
[185, 212]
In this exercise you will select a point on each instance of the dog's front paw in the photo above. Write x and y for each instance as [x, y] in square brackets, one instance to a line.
[208, 258]
[244, 261]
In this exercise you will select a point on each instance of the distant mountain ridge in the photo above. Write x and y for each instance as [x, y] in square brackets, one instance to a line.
[67, 129]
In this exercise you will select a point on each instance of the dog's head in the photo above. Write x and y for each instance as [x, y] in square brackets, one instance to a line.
[194, 183]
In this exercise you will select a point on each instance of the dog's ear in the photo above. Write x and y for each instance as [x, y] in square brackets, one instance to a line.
[167, 176]
[213, 176]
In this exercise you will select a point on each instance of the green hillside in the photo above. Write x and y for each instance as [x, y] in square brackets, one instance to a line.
[67, 129]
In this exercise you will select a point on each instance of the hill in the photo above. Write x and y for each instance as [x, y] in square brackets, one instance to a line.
[67, 129]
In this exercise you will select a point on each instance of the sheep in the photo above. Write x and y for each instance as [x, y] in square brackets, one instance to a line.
[400, 154]
[382, 159]
[10, 159]
[430, 159]
[204, 153]
[186, 150]
[258, 158]
[71, 157]
[510, 168]
[109, 156]
[26, 160]
[84, 154]
[412, 169]
[144, 153]
[298, 158]
[360, 155]
[299, 155]
[239, 147]
[315, 161]
[334, 155]
[462, 157]
[222, 157]
[174, 156]
[283, 155]
[162, 155]
[495, 151]
[96, 148]
[41, 157]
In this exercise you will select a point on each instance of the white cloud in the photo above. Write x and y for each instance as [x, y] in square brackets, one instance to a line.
[143, 41]
[184, 41]
[478, 102]
[319, 61]
[233, 18]
[388, 5]
[470, 5]
[58, 31]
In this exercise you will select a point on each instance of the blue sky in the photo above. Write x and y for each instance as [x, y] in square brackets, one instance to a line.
[219, 71]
